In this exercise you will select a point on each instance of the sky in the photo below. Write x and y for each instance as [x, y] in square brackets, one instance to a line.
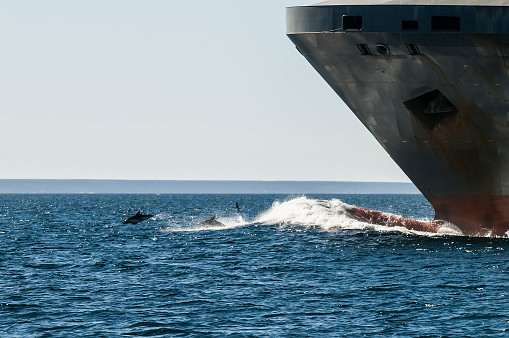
[171, 90]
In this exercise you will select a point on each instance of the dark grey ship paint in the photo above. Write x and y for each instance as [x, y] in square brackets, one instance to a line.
[431, 84]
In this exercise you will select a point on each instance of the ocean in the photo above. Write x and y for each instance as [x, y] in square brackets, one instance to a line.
[282, 266]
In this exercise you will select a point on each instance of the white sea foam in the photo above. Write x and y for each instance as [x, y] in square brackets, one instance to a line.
[328, 214]
[331, 215]
[449, 229]
[194, 225]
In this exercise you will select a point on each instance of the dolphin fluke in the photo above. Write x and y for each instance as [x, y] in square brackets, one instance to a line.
[211, 222]
[139, 217]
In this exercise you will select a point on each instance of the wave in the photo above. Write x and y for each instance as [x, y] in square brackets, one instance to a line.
[332, 215]
[328, 215]
[303, 211]
[193, 225]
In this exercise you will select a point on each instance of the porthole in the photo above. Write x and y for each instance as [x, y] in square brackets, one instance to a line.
[382, 49]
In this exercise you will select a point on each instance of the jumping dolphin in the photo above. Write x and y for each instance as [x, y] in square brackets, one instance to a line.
[211, 222]
[137, 218]
[237, 206]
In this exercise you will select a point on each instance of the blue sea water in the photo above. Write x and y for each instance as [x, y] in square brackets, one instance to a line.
[281, 266]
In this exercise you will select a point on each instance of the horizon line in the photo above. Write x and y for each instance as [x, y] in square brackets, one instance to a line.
[192, 180]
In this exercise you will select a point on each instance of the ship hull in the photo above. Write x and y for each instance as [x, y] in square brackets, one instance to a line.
[436, 100]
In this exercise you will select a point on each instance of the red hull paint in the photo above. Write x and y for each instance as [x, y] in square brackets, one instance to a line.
[383, 218]
[435, 100]
[474, 215]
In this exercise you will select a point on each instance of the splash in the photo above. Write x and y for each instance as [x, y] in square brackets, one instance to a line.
[449, 229]
[329, 215]
[194, 224]
[333, 215]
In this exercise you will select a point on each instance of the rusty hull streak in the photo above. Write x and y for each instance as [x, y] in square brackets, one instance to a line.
[461, 163]
[383, 218]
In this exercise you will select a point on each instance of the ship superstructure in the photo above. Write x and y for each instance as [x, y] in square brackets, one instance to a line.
[430, 80]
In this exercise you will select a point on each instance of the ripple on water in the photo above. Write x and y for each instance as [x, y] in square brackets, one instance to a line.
[289, 266]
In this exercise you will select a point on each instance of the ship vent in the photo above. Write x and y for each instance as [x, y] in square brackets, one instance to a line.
[364, 49]
[351, 22]
[413, 49]
[445, 23]
[407, 25]
[431, 108]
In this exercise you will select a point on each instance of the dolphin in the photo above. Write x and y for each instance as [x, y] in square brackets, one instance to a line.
[137, 218]
[211, 222]
[237, 206]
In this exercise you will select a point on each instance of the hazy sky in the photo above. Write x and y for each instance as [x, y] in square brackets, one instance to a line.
[162, 89]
